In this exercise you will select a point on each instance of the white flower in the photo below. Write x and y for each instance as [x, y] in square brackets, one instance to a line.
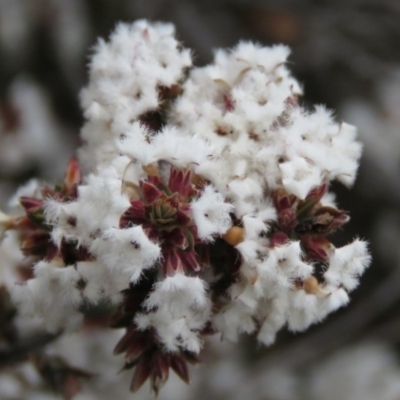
[54, 288]
[211, 214]
[181, 310]
[127, 250]
[283, 265]
[203, 203]
[127, 74]
[299, 177]
[347, 263]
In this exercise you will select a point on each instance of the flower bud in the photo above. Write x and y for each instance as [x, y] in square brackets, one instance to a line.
[234, 235]
[287, 220]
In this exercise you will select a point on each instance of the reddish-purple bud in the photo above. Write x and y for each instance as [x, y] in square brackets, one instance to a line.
[179, 365]
[31, 204]
[307, 206]
[283, 200]
[142, 372]
[171, 260]
[327, 219]
[228, 103]
[180, 183]
[133, 215]
[37, 243]
[317, 248]
[160, 371]
[317, 192]
[189, 261]
[177, 238]
[149, 191]
[278, 239]
[287, 220]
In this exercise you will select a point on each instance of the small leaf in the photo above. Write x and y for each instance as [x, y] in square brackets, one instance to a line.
[133, 215]
[141, 374]
[30, 203]
[126, 341]
[178, 364]
[317, 247]
[150, 191]
[188, 259]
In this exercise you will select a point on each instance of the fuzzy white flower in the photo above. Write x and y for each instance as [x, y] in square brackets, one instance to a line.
[126, 250]
[347, 264]
[203, 204]
[211, 214]
[181, 309]
[53, 290]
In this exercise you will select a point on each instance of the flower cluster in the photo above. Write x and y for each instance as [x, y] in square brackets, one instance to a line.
[203, 205]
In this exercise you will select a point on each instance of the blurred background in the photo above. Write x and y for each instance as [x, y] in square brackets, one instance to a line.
[346, 54]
